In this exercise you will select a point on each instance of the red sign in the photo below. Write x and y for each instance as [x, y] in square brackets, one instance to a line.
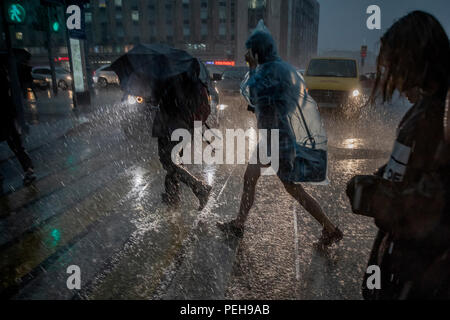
[61, 59]
[224, 63]
[363, 51]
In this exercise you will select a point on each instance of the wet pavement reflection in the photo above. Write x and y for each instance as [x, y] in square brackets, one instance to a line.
[97, 204]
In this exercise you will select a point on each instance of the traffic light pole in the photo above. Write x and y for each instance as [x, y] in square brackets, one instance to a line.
[74, 96]
[16, 90]
[50, 55]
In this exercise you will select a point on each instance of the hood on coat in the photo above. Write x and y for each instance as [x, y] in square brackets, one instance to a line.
[263, 45]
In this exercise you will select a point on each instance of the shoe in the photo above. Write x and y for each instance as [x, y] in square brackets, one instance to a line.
[29, 178]
[202, 194]
[170, 200]
[229, 228]
[328, 238]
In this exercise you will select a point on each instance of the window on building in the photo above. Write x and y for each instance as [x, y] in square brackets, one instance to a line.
[153, 32]
[169, 12]
[151, 14]
[119, 16]
[204, 14]
[120, 32]
[186, 12]
[232, 11]
[204, 10]
[222, 10]
[88, 17]
[169, 30]
[118, 3]
[135, 15]
[223, 31]
[204, 30]
[102, 3]
[256, 4]
[186, 31]
[256, 12]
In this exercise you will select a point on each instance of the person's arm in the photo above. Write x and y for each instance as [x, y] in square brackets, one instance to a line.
[251, 90]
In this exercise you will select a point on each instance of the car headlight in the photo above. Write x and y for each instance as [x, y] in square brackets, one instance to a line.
[139, 100]
[131, 99]
[355, 93]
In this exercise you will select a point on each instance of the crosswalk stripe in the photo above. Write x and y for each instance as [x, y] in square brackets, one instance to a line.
[51, 183]
[33, 248]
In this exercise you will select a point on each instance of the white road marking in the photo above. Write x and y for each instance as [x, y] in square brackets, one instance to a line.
[225, 184]
[297, 258]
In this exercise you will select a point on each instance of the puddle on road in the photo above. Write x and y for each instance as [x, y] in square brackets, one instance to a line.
[352, 143]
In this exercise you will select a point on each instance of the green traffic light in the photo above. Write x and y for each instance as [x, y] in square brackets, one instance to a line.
[16, 13]
[55, 26]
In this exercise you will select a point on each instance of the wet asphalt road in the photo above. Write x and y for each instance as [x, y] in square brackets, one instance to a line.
[96, 204]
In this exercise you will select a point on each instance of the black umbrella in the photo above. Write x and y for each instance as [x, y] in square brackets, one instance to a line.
[144, 65]
[21, 55]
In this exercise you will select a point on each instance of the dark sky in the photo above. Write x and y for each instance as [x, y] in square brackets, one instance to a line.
[343, 22]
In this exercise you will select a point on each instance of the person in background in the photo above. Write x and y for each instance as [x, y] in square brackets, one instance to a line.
[408, 197]
[9, 130]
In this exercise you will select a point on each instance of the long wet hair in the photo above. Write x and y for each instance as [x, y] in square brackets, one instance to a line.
[414, 53]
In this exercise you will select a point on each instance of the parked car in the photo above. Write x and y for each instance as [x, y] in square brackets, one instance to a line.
[333, 82]
[105, 76]
[43, 73]
[229, 82]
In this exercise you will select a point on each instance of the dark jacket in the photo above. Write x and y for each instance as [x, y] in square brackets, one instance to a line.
[414, 219]
[176, 109]
[7, 110]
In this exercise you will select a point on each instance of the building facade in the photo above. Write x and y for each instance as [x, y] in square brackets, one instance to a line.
[209, 29]
[213, 30]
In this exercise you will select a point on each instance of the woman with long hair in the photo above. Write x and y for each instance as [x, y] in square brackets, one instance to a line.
[408, 197]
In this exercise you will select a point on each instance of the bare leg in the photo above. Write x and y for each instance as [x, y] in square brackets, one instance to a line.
[251, 177]
[310, 205]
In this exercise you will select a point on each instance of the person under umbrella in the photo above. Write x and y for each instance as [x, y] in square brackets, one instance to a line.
[168, 78]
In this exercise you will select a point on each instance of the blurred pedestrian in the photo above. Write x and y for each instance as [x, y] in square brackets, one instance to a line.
[9, 128]
[409, 196]
[275, 88]
[176, 98]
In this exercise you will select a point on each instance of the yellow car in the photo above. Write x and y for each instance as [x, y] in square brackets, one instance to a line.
[333, 82]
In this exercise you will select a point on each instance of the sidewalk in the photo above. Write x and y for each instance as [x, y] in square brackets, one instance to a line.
[50, 118]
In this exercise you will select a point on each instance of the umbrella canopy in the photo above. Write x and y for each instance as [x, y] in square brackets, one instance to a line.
[144, 65]
[21, 55]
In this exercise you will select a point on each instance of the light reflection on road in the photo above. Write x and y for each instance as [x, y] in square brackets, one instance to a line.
[352, 143]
